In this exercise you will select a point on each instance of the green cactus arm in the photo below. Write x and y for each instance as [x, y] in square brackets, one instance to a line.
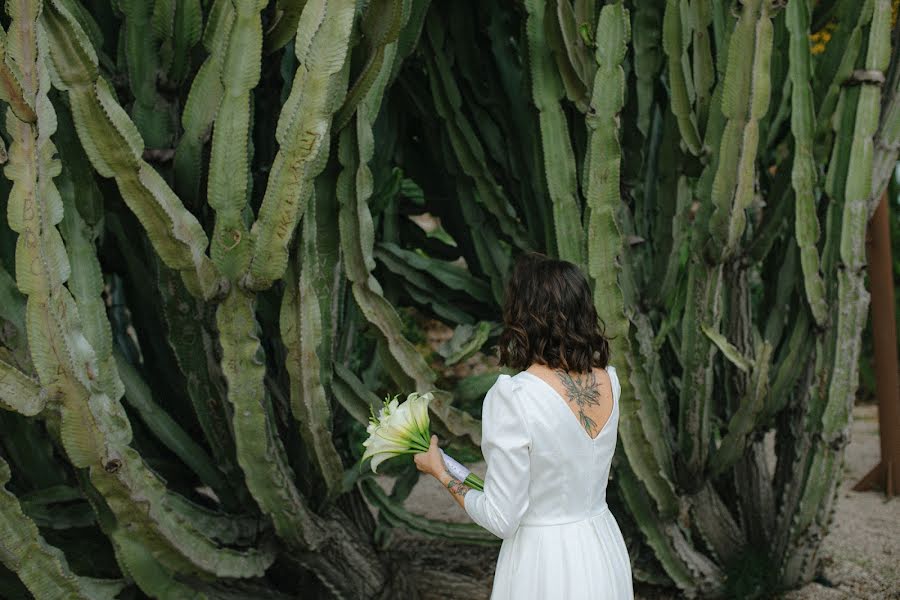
[354, 188]
[689, 570]
[602, 164]
[674, 261]
[703, 70]
[140, 502]
[303, 133]
[137, 561]
[466, 146]
[185, 319]
[788, 365]
[852, 296]
[301, 323]
[438, 302]
[139, 396]
[702, 307]
[713, 520]
[410, 36]
[153, 118]
[186, 333]
[574, 24]
[558, 156]
[228, 185]
[746, 418]
[41, 567]
[745, 100]
[398, 516]
[353, 395]
[835, 65]
[226, 528]
[449, 274]
[466, 341]
[86, 19]
[63, 359]
[680, 88]
[11, 90]
[12, 302]
[178, 25]
[605, 240]
[284, 26]
[139, 564]
[648, 56]
[887, 140]
[573, 84]
[492, 257]
[202, 104]
[114, 147]
[861, 106]
[382, 23]
[651, 384]
[19, 392]
[803, 174]
[85, 279]
[728, 349]
[94, 429]
[260, 452]
[804, 488]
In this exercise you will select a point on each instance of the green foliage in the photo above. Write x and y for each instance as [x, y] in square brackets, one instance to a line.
[226, 222]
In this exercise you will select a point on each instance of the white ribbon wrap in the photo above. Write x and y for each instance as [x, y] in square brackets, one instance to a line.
[457, 470]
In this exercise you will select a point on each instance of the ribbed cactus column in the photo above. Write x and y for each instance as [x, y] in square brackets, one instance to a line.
[201, 297]
[861, 106]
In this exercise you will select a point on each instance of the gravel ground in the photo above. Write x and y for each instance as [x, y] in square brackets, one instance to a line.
[860, 556]
[861, 553]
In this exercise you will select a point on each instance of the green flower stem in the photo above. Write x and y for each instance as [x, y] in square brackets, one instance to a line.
[475, 482]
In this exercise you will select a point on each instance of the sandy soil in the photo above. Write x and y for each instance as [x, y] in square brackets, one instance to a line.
[861, 554]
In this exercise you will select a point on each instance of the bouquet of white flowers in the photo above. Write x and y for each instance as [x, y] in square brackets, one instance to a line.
[406, 429]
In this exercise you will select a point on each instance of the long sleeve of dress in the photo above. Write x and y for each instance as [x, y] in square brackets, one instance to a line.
[505, 443]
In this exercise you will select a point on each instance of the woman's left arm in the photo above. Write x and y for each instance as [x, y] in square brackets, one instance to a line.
[505, 444]
[432, 462]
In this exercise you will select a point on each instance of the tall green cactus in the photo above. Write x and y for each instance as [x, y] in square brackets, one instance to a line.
[226, 222]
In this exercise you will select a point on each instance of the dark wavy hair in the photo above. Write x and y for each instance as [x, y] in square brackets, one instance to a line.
[549, 317]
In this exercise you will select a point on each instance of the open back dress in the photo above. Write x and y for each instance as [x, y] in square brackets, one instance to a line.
[545, 496]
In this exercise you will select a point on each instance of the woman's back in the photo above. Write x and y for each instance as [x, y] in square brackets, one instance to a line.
[569, 467]
[545, 494]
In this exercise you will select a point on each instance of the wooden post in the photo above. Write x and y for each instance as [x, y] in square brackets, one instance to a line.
[886, 474]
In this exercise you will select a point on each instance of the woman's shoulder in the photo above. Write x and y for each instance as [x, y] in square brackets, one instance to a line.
[506, 385]
[507, 393]
[614, 378]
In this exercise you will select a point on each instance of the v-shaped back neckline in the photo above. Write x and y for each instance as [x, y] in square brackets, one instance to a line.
[571, 412]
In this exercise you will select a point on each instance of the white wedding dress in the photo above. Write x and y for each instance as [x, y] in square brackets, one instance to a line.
[545, 495]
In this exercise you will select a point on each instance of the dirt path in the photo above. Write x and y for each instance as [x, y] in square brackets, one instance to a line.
[861, 554]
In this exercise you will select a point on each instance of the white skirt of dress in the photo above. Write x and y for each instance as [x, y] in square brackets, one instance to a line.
[580, 560]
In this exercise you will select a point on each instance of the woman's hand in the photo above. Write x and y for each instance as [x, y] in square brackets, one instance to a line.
[430, 462]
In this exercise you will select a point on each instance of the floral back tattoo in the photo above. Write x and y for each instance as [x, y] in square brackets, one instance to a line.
[584, 391]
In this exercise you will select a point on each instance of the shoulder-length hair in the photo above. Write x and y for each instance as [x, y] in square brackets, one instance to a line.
[549, 317]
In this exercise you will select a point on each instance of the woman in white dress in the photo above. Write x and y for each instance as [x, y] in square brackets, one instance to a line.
[548, 437]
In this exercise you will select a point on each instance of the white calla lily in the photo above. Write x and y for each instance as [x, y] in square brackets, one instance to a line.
[406, 429]
[398, 428]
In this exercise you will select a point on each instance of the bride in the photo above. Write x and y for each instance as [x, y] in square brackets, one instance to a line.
[548, 437]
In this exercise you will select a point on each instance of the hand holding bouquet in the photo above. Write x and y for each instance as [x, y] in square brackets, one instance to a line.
[406, 429]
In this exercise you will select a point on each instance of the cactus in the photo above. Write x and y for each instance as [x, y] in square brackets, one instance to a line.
[225, 223]
[559, 158]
